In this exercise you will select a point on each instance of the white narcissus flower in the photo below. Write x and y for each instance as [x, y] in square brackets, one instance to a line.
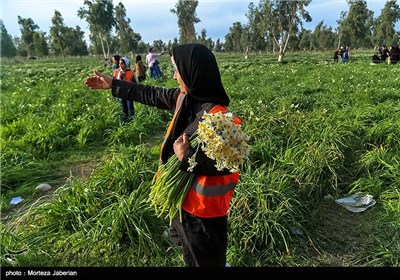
[192, 163]
[222, 140]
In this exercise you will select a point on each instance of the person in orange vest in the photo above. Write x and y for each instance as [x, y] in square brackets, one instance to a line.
[203, 230]
[125, 73]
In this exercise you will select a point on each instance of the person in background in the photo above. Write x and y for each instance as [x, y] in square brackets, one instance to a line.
[140, 69]
[346, 55]
[376, 58]
[115, 61]
[336, 55]
[394, 54]
[115, 69]
[152, 63]
[124, 73]
[203, 231]
[384, 53]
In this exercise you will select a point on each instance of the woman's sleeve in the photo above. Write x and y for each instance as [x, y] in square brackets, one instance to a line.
[162, 98]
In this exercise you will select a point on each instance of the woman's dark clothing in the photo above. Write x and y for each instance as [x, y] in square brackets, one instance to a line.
[394, 54]
[376, 59]
[199, 237]
[384, 54]
[336, 56]
[204, 240]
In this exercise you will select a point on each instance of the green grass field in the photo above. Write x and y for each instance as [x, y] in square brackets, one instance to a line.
[319, 131]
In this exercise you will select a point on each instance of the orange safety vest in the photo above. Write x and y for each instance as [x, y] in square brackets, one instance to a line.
[129, 74]
[210, 196]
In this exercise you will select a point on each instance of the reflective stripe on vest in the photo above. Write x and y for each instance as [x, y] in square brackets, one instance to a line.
[212, 186]
[210, 196]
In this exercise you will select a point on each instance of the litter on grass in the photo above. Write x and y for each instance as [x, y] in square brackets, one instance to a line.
[15, 200]
[357, 202]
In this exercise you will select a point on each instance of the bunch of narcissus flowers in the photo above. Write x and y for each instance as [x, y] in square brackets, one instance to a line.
[221, 139]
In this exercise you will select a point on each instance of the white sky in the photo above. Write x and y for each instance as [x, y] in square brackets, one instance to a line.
[153, 20]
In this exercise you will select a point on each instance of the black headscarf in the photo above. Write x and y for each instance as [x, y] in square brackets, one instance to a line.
[199, 71]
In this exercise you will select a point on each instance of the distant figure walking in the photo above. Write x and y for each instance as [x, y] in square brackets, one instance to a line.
[336, 56]
[140, 69]
[152, 62]
[124, 73]
[346, 55]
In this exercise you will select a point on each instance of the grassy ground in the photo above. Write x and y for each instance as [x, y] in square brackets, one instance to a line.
[317, 128]
[340, 238]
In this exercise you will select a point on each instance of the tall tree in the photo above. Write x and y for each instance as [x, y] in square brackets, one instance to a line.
[78, 46]
[159, 45]
[58, 35]
[41, 47]
[218, 45]
[256, 40]
[355, 27]
[7, 48]
[202, 39]
[306, 40]
[385, 32]
[66, 40]
[99, 14]
[233, 40]
[282, 19]
[187, 17]
[323, 37]
[127, 40]
[27, 28]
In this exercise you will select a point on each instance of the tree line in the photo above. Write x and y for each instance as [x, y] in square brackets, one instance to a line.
[273, 25]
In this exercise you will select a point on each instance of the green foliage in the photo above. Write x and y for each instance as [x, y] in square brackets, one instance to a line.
[7, 46]
[316, 128]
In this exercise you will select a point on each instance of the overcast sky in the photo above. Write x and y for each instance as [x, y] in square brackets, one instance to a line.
[153, 20]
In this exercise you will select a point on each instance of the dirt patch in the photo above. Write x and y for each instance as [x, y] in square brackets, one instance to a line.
[342, 235]
[80, 171]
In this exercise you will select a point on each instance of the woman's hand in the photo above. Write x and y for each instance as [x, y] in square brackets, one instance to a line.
[99, 81]
[181, 145]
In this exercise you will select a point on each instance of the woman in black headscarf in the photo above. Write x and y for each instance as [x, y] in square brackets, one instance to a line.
[203, 229]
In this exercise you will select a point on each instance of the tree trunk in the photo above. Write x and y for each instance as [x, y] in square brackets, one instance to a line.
[281, 53]
[108, 49]
[282, 49]
[102, 47]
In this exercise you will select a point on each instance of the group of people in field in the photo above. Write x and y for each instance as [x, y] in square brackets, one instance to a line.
[343, 53]
[384, 54]
[122, 71]
[121, 68]
[389, 55]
